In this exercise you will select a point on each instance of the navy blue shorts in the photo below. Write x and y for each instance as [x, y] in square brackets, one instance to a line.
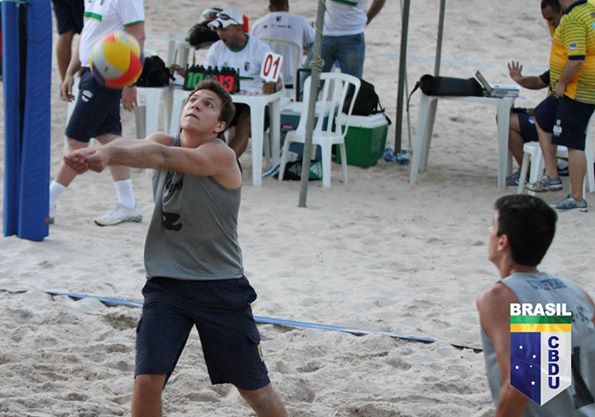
[566, 119]
[526, 124]
[221, 312]
[572, 120]
[69, 15]
[96, 112]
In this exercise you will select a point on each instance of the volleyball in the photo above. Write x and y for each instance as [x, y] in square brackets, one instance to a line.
[116, 60]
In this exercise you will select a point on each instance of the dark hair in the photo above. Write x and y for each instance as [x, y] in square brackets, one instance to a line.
[553, 4]
[530, 225]
[228, 110]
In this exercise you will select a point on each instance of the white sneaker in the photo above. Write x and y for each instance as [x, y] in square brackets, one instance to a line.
[120, 214]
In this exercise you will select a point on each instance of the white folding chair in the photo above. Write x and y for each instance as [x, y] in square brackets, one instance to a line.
[292, 55]
[326, 132]
[179, 98]
[532, 155]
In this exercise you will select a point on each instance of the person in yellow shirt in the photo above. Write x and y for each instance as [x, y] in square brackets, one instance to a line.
[522, 120]
[563, 117]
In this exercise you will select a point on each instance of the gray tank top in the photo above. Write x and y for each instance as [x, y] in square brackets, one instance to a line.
[193, 231]
[576, 401]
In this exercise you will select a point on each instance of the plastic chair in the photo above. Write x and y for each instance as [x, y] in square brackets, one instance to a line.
[327, 133]
[178, 52]
[179, 98]
[292, 57]
[532, 154]
[150, 101]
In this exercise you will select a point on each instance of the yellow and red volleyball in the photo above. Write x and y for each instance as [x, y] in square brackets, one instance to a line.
[116, 60]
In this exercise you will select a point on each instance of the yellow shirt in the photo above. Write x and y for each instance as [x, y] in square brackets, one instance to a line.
[574, 39]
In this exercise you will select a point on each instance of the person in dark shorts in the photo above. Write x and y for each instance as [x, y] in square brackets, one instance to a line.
[562, 118]
[69, 20]
[97, 109]
[193, 260]
[522, 121]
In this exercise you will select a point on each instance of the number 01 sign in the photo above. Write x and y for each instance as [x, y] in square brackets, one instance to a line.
[271, 67]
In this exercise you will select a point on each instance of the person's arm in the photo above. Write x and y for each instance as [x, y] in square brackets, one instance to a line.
[73, 67]
[494, 317]
[309, 36]
[531, 82]
[212, 159]
[374, 9]
[129, 93]
[570, 70]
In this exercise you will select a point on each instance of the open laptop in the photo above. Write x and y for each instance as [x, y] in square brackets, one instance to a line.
[497, 90]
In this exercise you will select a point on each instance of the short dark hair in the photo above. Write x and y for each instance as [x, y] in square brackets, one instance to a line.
[553, 4]
[530, 225]
[228, 110]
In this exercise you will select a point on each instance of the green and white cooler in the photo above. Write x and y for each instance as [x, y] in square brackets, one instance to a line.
[365, 140]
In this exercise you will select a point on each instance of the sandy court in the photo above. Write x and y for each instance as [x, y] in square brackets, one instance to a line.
[376, 254]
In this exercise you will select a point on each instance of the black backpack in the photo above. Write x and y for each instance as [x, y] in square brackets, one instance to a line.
[366, 102]
[448, 86]
[155, 73]
[200, 36]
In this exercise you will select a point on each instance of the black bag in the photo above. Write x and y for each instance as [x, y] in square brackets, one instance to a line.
[366, 102]
[200, 36]
[155, 73]
[448, 86]
[293, 171]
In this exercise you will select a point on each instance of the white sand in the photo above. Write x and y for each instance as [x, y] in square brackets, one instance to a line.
[376, 254]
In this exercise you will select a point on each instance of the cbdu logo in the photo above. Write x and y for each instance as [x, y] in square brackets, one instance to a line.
[540, 350]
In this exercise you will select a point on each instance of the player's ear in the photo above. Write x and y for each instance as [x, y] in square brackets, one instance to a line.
[503, 242]
[220, 126]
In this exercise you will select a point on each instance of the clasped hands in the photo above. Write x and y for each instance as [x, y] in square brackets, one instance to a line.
[82, 160]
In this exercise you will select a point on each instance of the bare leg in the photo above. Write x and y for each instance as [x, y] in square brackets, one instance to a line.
[66, 174]
[146, 395]
[515, 139]
[264, 401]
[239, 142]
[549, 152]
[119, 172]
[577, 167]
[64, 51]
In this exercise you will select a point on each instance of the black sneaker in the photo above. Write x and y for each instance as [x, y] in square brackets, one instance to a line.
[513, 179]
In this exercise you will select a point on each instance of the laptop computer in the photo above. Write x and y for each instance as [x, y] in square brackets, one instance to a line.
[497, 90]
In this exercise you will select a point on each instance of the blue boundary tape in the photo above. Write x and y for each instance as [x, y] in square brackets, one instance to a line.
[110, 301]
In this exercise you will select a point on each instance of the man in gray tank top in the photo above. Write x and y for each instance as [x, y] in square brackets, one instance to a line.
[522, 230]
[192, 256]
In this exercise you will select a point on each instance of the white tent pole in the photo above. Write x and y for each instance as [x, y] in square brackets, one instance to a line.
[316, 67]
